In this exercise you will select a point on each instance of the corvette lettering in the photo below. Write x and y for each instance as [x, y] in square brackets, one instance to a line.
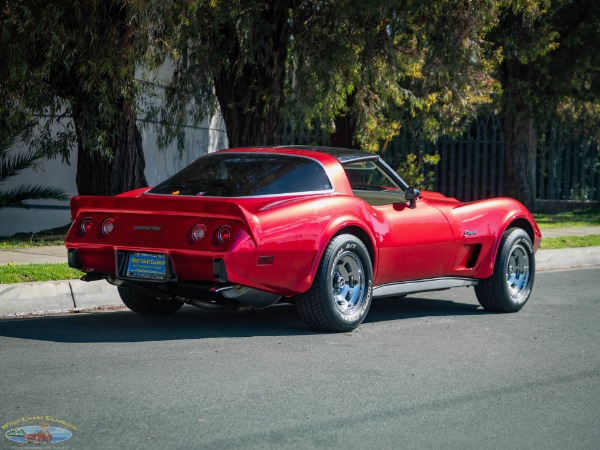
[147, 228]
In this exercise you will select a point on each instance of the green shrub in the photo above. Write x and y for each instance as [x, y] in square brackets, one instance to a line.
[416, 170]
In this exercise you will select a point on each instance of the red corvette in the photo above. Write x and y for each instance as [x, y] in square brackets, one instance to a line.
[325, 228]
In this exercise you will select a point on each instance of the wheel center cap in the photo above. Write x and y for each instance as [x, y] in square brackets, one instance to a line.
[338, 282]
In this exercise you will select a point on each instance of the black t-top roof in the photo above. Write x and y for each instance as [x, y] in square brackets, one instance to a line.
[341, 154]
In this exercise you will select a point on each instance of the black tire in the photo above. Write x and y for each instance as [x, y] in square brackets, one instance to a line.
[146, 304]
[509, 288]
[341, 293]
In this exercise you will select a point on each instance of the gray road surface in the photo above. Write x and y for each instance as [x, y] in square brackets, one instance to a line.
[433, 371]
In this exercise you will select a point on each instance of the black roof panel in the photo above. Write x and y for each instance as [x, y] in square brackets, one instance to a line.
[341, 154]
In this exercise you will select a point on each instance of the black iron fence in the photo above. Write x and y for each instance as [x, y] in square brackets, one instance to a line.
[568, 165]
[471, 167]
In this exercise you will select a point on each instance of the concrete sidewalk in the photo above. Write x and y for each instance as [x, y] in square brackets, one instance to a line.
[74, 295]
[55, 254]
[571, 231]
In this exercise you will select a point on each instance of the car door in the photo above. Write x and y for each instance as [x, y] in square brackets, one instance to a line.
[418, 243]
[414, 243]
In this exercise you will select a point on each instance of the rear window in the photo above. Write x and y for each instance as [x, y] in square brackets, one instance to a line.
[246, 174]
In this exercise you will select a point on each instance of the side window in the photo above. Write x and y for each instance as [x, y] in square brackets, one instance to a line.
[370, 182]
[306, 177]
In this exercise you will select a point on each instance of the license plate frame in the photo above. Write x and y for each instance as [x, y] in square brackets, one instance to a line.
[146, 266]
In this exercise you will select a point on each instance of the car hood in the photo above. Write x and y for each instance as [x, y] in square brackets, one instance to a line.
[435, 197]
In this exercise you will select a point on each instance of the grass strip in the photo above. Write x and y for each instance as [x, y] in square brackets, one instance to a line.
[28, 273]
[592, 240]
[55, 236]
[579, 218]
[9, 243]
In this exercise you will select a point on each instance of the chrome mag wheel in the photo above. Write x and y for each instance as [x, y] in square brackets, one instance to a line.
[340, 296]
[517, 273]
[509, 287]
[348, 283]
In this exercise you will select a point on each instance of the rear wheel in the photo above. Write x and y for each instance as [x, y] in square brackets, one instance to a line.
[146, 304]
[340, 296]
[509, 288]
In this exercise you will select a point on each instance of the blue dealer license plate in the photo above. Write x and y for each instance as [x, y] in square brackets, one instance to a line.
[146, 265]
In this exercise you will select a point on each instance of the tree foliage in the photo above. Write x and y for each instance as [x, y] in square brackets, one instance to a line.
[421, 65]
[548, 73]
[416, 171]
[232, 53]
[366, 68]
[78, 58]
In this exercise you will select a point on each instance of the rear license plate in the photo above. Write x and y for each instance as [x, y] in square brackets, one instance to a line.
[146, 265]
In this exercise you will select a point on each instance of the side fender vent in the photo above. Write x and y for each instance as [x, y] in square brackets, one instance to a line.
[473, 256]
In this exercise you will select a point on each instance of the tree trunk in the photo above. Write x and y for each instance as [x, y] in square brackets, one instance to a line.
[519, 158]
[122, 170]
[248, 125]
[520, 138]
[251, 96]
[345, 126]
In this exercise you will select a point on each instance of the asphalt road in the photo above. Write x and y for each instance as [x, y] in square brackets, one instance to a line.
[433, 371]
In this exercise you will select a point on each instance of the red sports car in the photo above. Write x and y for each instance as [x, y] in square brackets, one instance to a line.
[325, 228]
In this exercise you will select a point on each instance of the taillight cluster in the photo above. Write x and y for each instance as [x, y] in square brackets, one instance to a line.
[198, 232]
[221, 236]
[107, 226]
[86, 225]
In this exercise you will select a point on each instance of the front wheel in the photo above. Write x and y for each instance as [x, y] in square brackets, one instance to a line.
[509, 288]
[340, 296]
[146, 304]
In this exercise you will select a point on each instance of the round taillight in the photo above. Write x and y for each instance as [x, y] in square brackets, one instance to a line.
[108, 226]
[223, 234]
[86, 225]
[198, 232]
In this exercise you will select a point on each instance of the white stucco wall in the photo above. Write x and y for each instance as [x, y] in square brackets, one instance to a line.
[46, 214]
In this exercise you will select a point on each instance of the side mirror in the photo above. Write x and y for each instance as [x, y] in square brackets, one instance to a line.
[411, 194]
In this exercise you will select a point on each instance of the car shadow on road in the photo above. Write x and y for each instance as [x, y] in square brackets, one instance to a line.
[194, 323]
[393, 308]
[126, 326]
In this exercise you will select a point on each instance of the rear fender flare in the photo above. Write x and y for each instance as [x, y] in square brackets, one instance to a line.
[341, 226]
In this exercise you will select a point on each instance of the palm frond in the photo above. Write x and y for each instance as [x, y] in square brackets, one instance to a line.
[14, 164]
[30, 192]
[14, 158]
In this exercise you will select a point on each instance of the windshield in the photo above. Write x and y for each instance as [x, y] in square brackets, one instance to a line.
[246, 174]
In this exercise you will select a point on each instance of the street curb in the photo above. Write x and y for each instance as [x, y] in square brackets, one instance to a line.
[22, 299]
[567, 258]
[56, 296]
